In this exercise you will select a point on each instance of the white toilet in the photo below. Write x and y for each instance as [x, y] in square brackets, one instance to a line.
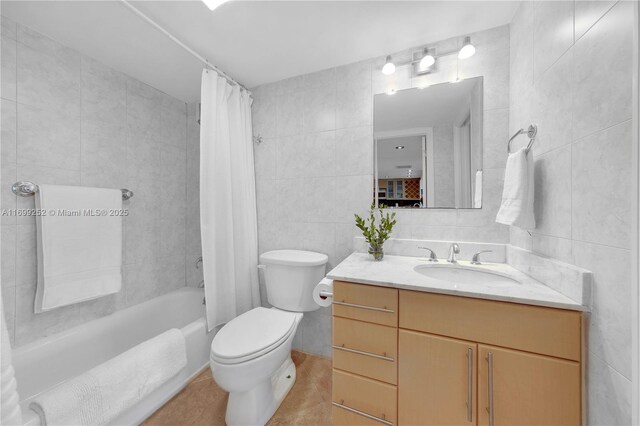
[251, 354]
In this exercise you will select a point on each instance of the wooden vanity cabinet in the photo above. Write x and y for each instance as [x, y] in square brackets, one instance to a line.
[458, 360]
[522, 387]
[437, 380]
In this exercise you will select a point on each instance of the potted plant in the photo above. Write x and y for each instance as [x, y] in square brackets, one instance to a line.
[376, 234]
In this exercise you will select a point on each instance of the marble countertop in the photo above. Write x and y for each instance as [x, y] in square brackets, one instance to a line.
[398, 272]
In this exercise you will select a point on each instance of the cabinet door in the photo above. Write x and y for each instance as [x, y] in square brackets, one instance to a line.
[520, 388]
[436, 380]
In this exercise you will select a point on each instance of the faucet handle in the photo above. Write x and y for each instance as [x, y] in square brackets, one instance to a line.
[475, 260]
[432, 254]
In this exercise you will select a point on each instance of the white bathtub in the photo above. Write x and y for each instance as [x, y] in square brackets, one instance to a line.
[48, 362]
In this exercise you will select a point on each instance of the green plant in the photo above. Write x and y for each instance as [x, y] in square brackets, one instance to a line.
[376, 234]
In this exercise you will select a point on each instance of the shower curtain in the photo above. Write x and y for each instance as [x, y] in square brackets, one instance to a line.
[228, 217]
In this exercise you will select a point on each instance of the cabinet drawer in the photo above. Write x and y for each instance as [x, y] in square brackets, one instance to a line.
[365, 397]
[367, 349]
[365, 303]
[541, 330]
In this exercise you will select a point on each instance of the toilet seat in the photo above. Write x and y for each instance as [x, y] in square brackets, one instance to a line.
[252, 334]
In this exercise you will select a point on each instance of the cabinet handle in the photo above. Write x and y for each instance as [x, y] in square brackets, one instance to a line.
[361, 413]
[490, 381]
[355, 351]
[371, 308]
[469, 384]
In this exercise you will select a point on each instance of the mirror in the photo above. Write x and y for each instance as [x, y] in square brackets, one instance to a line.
[428, 146]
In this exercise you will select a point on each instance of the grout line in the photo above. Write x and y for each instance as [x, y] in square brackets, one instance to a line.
[592, 353]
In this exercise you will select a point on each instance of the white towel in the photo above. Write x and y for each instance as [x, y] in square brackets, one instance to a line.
[102, 393]
[517, 196]
[477, 195]
[79, 257]
[10, 413]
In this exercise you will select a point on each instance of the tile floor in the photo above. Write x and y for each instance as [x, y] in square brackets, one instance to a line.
[202, 402]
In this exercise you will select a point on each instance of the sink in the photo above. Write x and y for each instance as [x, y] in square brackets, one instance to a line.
[457, 274]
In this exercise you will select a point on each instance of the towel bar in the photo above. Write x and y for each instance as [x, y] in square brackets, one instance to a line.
[531, 132]
[26, 189]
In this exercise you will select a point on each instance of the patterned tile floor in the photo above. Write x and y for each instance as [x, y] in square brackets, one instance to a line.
[203, 403]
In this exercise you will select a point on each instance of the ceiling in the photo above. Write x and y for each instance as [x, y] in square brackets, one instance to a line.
[392, 162]
[256, 42]
[418, 108]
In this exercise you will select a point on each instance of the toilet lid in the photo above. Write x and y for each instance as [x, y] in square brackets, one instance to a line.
[252, 334]
[293, 258]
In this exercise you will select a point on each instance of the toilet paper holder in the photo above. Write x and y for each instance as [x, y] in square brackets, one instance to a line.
[325, 294]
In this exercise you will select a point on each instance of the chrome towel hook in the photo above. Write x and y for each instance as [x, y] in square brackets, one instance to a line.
[531, 132]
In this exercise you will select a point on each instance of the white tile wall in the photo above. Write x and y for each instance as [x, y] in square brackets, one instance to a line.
[314, 169]
[571, 74]
[68, 119]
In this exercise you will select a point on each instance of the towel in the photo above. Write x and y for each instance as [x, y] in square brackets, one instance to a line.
[102, 393]
[517, 196]
[10, 413]
[79, 247]
[477, 195]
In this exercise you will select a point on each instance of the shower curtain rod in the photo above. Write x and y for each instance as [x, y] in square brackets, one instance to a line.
[181, 44]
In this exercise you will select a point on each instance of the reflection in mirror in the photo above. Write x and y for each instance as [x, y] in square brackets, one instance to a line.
[428, 146]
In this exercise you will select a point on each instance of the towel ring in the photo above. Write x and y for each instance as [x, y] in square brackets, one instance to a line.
[531, 134]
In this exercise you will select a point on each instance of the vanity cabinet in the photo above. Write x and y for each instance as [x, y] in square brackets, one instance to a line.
[451, 360]
[437, 377]
[519, 385]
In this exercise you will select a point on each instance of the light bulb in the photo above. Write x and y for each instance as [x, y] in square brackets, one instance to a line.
[427, 61]
[388, 68]
[212, 4]
[467, 50]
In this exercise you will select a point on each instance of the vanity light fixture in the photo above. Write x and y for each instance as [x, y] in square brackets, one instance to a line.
[388, 68]
[424, 60]
[467, 50]
[213, 4]
[400, 147]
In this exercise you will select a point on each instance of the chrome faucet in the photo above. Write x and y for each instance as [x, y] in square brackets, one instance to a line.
[475, 260]
[453, 250]
[432, 254]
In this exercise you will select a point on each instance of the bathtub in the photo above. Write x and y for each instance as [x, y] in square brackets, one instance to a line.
[48, 362]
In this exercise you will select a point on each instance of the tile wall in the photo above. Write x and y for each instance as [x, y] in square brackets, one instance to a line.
[571, 71]
[68, 119]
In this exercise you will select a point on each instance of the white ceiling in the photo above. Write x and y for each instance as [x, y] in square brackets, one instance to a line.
[418, 108]
[392, 162]
[256, 42]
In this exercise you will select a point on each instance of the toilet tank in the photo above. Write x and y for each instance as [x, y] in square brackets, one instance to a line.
[290, 276]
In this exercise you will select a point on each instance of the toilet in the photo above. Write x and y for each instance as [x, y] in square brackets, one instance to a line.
[251, 354]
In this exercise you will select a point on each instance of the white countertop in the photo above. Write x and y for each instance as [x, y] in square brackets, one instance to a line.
[397, 272]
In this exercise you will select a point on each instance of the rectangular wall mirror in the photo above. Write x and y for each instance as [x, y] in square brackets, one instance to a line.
[428, 146]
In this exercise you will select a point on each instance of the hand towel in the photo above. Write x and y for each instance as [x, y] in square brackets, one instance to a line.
[102, 393]
[10, 412]
[79, 244]
[517, 196]
[477, 195]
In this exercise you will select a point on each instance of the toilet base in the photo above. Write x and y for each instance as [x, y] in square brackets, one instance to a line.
[257, 406]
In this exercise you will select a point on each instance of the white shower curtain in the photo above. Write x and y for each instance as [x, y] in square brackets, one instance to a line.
[227, 201]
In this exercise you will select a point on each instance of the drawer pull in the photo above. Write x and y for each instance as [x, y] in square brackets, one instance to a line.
[355, 351]
[469, 384]
[371, 308]
[361, 413]
[490, 381]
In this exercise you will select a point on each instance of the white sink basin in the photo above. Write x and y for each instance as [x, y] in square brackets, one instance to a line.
[464, 275]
